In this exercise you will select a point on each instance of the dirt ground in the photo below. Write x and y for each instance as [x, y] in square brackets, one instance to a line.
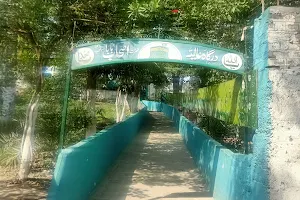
[32, 189]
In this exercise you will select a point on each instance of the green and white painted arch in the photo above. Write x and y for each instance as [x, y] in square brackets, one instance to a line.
[108, 52]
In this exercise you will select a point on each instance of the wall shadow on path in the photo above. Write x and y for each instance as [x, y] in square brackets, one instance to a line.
[108, 187]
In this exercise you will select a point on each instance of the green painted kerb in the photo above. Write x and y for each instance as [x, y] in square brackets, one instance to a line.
[156, 50]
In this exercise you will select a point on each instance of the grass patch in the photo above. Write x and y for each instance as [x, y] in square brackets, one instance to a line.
[106, 114]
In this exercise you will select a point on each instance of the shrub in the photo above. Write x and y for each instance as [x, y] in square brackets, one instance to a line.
[9, 149]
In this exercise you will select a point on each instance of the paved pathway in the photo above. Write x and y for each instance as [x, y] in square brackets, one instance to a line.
[156, 165]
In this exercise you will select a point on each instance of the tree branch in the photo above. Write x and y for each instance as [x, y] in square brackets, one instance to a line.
[89, 20]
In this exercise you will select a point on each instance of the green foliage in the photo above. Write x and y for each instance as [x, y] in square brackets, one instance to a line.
[77, 118]
[209, 21]
[8, 126]
[133, 77]
[174, 99]
[47, 133]
[207, 77]
[49, 119]
[233, 101]
[48, 124]
[9, 149]
[105, 114]
[227, 134]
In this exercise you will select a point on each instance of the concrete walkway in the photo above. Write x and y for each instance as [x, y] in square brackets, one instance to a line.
[156, 165]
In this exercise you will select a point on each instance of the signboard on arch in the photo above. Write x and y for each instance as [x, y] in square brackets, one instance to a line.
[111, 52]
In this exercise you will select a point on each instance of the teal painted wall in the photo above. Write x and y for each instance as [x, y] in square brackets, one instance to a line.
[261, 140]
[229, 175]
[224, 171]
[81, 167]
[152, 106]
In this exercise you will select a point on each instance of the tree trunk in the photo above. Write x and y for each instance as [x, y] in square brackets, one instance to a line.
[130, 103]
[176, 84]
[121, 103]
[117, 105]
[133, 102]
[31, 115]
[123, 115]
[91, 103]
[28, 137]
[262, 5]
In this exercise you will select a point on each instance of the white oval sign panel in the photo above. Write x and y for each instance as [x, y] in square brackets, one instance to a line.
[232, 61]
[84, 56]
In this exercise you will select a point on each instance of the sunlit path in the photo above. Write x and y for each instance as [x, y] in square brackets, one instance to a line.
[156, 165]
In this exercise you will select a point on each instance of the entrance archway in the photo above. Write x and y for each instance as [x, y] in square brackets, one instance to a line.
[112, 52]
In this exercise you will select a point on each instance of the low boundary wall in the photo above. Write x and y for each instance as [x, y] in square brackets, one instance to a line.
[81, 167]
[227, 174]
